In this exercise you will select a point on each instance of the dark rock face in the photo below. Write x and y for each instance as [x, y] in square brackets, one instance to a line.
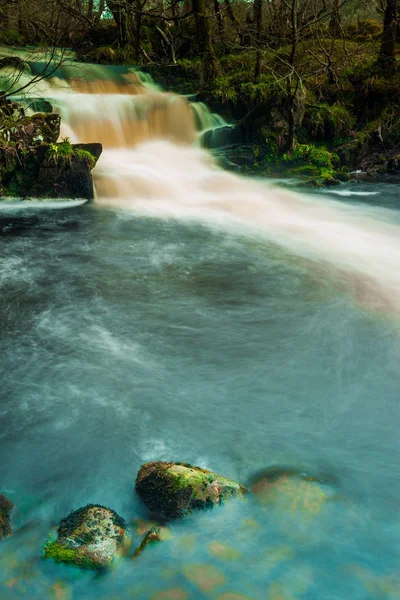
[36, 175]
[30, 162]
[41, 128]
[40, 105]
[221, 137]
[65, 179]
[175, 489]
[90, 538]
[394, 164]
[5, 515]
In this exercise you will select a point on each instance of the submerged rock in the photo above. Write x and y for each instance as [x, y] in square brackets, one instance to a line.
[291, 490]
[155, 534]
[6, 507]
[89, 537]
[175, 489]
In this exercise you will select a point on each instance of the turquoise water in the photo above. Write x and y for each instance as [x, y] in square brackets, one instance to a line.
[126, 338]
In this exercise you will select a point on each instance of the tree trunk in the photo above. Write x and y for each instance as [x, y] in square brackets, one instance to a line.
[291, 94]
[123, 13]
[13, 16]
[138, 32]
[220, 22]
[258, 23]
[231, 14]
[210, 67]
[387, 51]
[102, 6]
[335, 22]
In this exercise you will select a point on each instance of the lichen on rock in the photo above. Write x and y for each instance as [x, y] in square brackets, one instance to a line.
[6, 507]
[89, 537]
[175, 489]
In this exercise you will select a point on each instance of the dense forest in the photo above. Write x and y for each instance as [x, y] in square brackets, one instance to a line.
[310, 83]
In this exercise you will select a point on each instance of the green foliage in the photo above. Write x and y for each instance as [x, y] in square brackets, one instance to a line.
[64, 152]
[239, 62]
[310, 160]
[308, 153]
[60, 153]
[364, 31]
[271, 150]
[385, 129]
[237, 85]
[10, 37]
[330, 122]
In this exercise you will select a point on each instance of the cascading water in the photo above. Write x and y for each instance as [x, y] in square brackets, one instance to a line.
[150, 164]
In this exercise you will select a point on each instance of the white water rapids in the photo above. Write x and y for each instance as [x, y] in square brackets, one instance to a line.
[152, 165]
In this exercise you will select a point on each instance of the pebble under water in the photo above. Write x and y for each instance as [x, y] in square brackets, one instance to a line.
[126, 338]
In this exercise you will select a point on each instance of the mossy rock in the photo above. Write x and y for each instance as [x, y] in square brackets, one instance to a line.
[89, 537]
[176, 489]
[5, 515]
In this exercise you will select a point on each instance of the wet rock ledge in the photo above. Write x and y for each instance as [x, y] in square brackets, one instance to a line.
[34, 164]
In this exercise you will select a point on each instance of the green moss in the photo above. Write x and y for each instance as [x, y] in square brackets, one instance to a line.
[310, 160]
[364, 31]
[329, 122]
[87, 156]
[63, 153]
[61, 553]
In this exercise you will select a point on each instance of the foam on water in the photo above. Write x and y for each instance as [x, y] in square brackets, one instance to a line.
[8, 206]
[349, 193]
[166, 180]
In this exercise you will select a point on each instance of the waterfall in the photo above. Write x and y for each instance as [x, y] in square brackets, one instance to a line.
[151, 164]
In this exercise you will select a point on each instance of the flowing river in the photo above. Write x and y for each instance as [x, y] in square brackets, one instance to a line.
[192, 315]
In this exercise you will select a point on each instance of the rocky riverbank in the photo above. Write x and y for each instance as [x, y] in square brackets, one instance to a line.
[34, 164]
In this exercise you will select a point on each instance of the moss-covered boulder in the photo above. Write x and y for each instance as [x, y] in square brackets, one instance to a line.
[5, 515]
[175, 489]
[90, 538]
[34, 164]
